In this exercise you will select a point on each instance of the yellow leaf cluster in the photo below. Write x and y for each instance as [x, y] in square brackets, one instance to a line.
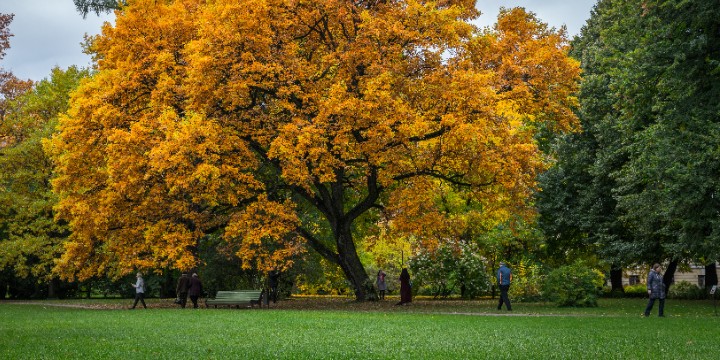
[265, 234]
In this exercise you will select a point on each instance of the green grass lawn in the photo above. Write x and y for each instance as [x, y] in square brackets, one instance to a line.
[342, 329]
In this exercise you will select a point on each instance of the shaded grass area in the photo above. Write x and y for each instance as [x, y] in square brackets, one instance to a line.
[320, 328]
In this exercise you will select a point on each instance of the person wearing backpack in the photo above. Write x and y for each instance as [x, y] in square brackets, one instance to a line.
[139, 286]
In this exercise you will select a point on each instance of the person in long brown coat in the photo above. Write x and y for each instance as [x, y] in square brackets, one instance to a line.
[405, 289]
[182, 289]
[195, 289]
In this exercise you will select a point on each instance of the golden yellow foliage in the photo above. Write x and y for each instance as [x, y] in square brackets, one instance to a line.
[271, 118]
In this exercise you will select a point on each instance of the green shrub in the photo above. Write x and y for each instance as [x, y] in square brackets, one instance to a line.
[687, 291]
[607, 292]
[574, 285]
[636, 291]
[527, 281]
[450, 269]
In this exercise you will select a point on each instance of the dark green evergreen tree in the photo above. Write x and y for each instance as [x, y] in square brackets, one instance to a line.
[642, 182]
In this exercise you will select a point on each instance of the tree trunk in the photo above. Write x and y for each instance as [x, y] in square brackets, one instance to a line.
[711, 277]
[616, 279]
[351, 265]
[669, 275]
[51, 289]
[168, 286]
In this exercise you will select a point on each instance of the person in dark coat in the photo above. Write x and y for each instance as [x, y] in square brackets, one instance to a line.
[182, 289]
[405, 288]
[195, 290]
[656, 290]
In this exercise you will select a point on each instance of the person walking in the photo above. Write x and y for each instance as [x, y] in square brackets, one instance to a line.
[195, 290]
[504, 277]
[139, 286]
[182, 289]
[382, 287]
[405, 288]
[656, 290]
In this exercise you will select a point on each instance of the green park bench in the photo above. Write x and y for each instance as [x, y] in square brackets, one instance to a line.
[237, 298]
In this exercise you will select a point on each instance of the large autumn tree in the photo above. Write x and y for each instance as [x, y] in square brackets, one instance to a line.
[281, 123]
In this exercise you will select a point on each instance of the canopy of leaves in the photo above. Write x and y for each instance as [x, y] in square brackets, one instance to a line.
[280, 123]
[578, 212]
[670, 120]
[31, 239]
[642, 182]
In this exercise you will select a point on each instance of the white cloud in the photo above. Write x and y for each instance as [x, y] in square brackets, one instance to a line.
[571, 13]
[47, 33]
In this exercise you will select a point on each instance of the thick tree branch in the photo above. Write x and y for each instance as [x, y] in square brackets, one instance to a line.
[318, 246]
[455, 180]
[369, 201]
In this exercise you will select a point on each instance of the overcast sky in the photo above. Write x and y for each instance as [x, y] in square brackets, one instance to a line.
[48, 33]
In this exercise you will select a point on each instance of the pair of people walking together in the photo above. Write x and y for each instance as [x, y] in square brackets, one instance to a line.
[188, 286]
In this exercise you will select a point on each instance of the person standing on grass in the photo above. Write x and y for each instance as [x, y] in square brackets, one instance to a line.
[195, 290]
[182, 289]
[382, 287]
[656, 290]
[405, 288]
[504, 277]
[139, 286]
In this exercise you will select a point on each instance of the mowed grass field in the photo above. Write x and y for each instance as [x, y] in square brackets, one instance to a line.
[332, 328]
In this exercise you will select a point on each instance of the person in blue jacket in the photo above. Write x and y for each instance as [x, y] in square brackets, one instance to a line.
[504, 277]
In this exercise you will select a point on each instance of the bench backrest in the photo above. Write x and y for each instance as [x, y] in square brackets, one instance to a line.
[239, 294]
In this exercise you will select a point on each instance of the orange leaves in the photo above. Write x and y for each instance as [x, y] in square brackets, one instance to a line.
[265, 234]
[500, 87]
[189, 157]
[302, 159]
[164, 240]
[532, 67]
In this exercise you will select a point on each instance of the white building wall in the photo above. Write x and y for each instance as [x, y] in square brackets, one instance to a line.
[692, 276]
